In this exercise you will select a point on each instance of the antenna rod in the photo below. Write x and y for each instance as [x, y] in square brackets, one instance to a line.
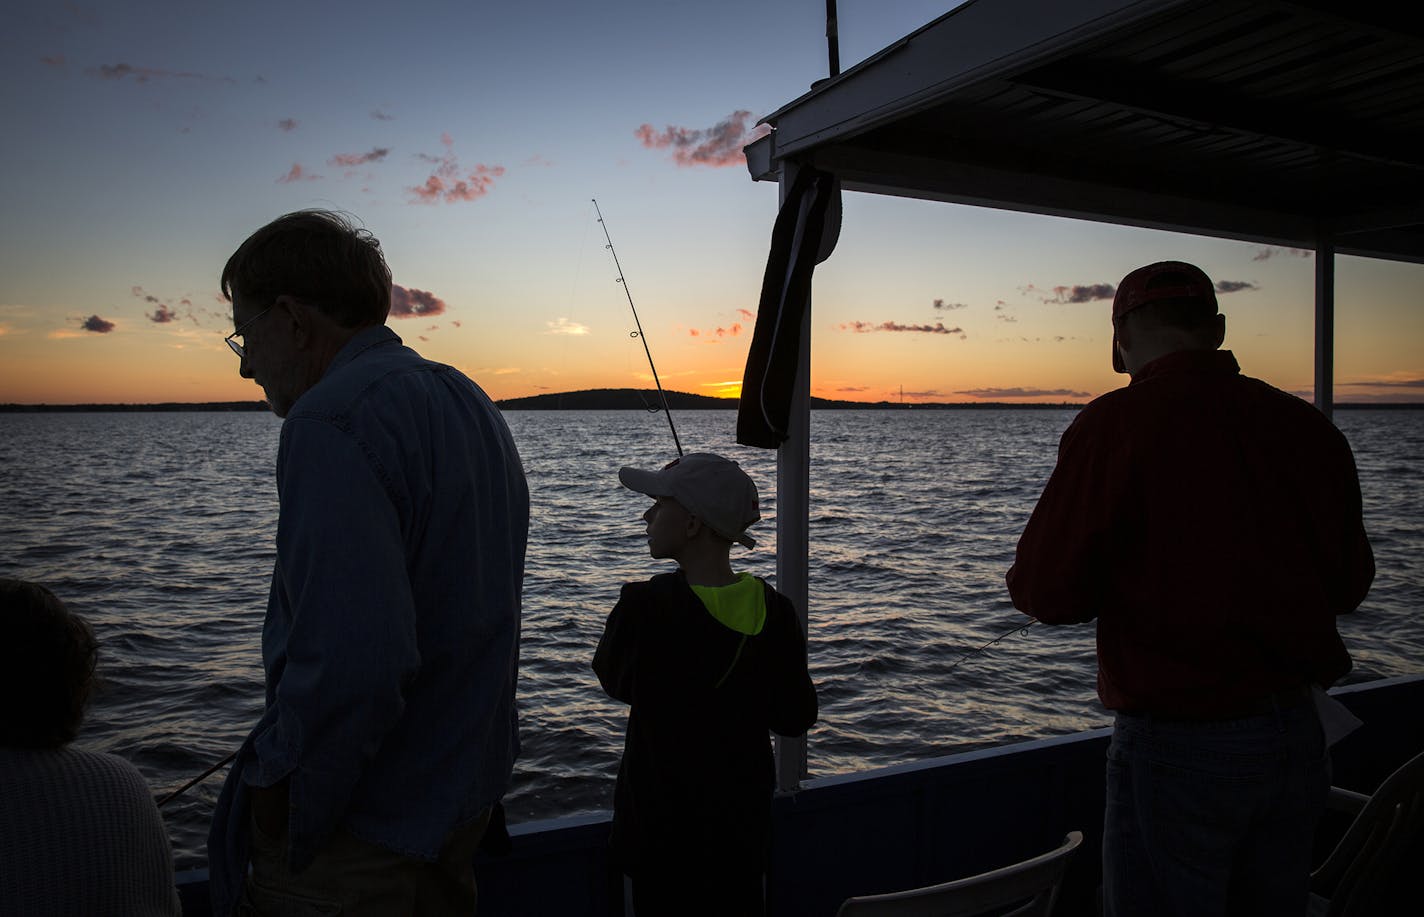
[833, 38]
[639, 333]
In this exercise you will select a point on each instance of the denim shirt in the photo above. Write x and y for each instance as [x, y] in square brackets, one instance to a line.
[391, 643]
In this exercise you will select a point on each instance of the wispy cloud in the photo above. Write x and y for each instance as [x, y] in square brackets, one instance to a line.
[1265, 254]
[349, 160]
[1098, 292]
[97, 325]
[1080, 293]
[161, 315]
[379, 115]
[716, 146]
[451, 182]
[151, 74]
[408, 302]
[746, 314]
[942, 306]
[868, 327]
[564, 326]
[53, 60]
[287, 125]
[713, 335]
[1387, 383]
[1001, 394]
[297, 173]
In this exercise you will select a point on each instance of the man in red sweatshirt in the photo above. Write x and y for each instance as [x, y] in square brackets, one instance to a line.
[1211, 524]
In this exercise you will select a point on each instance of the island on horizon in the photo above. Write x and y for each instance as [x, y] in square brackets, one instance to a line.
[632, 399]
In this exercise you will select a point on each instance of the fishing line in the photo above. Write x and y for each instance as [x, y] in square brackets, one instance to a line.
[1021, 629]
[639, 333]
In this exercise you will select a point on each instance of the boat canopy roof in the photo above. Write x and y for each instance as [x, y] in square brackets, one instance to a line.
[1281, 122]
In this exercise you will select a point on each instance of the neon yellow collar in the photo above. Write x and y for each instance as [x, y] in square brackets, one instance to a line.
[740, 606]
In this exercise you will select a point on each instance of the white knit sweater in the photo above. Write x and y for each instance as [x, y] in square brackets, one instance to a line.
[80, 835]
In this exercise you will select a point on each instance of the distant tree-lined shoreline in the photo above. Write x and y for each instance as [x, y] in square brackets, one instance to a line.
[625, 399]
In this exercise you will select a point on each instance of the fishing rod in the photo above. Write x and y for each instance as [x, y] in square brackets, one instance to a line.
[639, 333]
[1021, 629]
[195, 781]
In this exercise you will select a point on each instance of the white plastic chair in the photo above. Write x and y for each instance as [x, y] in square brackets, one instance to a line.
[1032, 885]
[1375, 867]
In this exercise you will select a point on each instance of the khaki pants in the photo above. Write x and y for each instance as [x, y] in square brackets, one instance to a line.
[352, 877]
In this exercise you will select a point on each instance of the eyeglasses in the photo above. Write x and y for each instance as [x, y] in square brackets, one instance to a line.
[241, 331]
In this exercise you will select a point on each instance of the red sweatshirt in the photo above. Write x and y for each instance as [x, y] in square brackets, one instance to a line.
[1212, 525]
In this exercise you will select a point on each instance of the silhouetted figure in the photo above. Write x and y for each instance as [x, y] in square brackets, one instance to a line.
[1212, 526]
[709, 661]
[391, 642]
[79, 832]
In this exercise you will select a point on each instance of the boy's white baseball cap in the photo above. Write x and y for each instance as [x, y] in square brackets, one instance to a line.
[710, 487]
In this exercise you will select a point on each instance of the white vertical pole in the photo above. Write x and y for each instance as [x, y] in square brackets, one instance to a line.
[1325, 323]
[793, 516]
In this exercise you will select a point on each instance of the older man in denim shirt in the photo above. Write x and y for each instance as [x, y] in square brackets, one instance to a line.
[392, 632]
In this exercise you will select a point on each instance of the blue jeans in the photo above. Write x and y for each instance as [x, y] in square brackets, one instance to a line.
[1213, 818]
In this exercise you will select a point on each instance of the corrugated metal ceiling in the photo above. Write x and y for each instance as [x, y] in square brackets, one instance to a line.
[1269, 121]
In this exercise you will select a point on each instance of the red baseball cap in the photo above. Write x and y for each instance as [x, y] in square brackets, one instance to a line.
[1154, 283]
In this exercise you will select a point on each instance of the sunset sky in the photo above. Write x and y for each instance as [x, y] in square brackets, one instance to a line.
[145, 140]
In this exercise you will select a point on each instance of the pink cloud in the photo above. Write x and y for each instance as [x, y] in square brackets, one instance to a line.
[53, 60]
[713, 335]
[451, 182]
[96, 324]
[408, 302]
[297, 173]
[716, 146]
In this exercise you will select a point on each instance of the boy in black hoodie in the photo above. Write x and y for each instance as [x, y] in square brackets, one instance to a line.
[708, 660]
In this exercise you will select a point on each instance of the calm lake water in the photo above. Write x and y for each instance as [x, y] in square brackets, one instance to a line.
[159, 528]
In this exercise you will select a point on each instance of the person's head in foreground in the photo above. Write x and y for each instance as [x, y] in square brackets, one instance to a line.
[1163, 308]
[300, 288]
[46, 667]
[703, 503]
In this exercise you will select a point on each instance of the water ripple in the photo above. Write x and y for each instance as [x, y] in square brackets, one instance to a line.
[160, 531]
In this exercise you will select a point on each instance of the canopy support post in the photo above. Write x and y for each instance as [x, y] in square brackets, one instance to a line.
[1325, 323]
[793, 516]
